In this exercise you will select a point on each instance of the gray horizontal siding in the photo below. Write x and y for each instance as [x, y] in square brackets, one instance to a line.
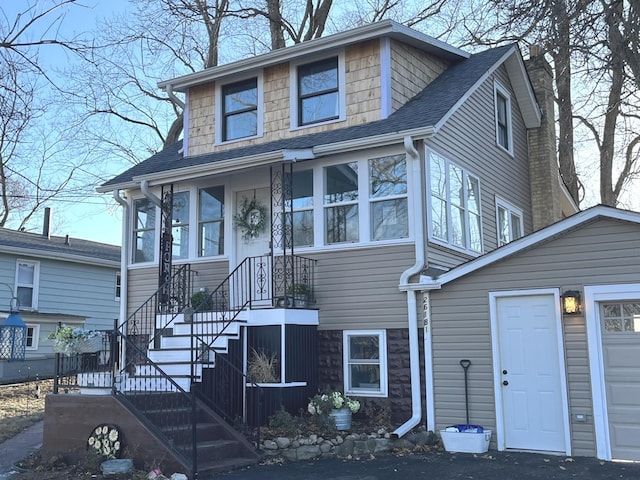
[603, 252]
[69, 288]
[143, 282]
[359, 288]
[469, 139]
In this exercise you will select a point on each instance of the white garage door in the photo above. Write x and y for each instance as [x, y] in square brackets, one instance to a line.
[621, 357]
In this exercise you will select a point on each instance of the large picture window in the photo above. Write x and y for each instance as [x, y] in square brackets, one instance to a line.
[341, 203]
[455, 205]
[27, 281]
[365, 362]
[318, 92]
[211, 221]
[144, 231]
[240, 110]
[388, 196]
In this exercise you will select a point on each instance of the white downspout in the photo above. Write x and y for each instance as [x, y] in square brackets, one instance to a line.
[144, 186]
[124, 255]
[414, 352]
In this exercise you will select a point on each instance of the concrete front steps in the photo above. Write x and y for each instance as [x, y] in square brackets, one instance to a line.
[219, 447]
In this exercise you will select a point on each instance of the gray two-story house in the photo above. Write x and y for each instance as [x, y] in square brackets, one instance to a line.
[55, 280]
[315, 185]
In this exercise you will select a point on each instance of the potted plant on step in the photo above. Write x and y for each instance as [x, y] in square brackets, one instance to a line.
[300, 293]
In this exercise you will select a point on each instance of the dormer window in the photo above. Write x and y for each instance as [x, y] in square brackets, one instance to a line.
[318, 92]
[503, 118]
[240, 110]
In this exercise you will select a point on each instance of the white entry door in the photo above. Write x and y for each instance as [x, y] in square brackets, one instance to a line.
[256, 245]
[531, 380]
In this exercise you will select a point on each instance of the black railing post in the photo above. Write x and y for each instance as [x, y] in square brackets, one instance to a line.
[56, 369]
[194, 432]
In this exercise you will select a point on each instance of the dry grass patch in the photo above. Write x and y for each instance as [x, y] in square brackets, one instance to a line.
[21, 406]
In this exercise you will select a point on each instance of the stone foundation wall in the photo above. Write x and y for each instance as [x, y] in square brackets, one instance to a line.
[331, 376]
[346, 445]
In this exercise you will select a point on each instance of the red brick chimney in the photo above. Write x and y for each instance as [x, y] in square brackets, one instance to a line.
[543, 161]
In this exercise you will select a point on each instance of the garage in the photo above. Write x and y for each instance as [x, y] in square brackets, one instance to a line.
[616, 320]
[547, 376]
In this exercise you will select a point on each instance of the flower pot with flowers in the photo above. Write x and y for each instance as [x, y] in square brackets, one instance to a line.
[73, 340]
[337, 406]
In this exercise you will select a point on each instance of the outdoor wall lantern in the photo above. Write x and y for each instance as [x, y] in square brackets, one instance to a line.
[571, 302]
[13, 334]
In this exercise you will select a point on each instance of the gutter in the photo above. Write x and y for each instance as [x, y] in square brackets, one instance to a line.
[153, 198]
[169, 90]
[414, 351]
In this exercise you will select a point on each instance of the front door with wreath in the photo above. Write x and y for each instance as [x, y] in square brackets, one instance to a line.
[252, 234]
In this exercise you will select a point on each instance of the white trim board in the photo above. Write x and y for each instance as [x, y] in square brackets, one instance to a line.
[593, 295]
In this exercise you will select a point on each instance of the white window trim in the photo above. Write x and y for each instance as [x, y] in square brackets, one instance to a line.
[372, 200]
[448, 243]
[219, 107]
[194, 213]
[293, 91]
[36, 336]
[118, 286]
[382, 343]
[35, 286]
[156, 232]
[500, 89]
[512, 210]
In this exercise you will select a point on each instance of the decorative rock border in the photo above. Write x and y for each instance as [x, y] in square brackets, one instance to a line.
[344, 445]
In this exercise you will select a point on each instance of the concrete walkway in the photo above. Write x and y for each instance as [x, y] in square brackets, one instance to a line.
[16, 448]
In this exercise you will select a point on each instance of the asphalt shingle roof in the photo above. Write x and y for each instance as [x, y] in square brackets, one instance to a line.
[58, 245]
[426, 109]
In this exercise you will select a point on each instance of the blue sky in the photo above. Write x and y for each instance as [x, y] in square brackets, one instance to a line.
[98, 218]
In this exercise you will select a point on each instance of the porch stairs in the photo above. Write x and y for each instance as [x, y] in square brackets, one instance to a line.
[173, 354]
[163, 369]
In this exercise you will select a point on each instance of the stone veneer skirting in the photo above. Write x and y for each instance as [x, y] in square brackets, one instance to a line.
[344, 445]
[331, 375]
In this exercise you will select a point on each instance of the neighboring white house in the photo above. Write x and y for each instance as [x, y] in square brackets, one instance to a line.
[56, 280]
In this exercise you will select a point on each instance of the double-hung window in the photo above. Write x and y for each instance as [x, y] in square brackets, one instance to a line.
[341, 203]
[33, 332]
[240, 110]
[144, 231]
[388, 196]
[27, 281]
[180, 225]
[318, 92]
[455, 205]
[365, 362]
[509, 222]
[211, 221]
[302, 217]
[503, 118]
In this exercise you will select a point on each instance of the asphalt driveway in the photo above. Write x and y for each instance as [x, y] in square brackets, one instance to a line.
[445, 466]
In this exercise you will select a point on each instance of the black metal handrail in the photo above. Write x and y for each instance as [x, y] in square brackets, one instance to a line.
[223, 412]
[160, 402]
